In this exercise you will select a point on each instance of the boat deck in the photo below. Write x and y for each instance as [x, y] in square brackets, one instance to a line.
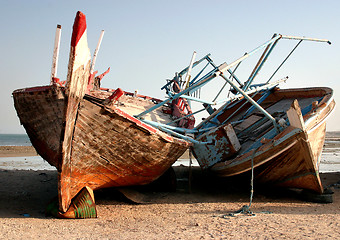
[252, 128]
[134, 105]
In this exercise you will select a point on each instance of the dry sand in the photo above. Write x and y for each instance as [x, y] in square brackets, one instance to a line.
[17, 151]
[280, 214]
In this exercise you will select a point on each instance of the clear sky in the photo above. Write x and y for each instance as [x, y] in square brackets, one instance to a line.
[145, 42]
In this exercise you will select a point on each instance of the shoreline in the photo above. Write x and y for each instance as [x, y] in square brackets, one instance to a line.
[26, 157]
[332, 143]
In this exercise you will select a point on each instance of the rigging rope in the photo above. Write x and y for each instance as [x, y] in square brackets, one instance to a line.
[246, 208]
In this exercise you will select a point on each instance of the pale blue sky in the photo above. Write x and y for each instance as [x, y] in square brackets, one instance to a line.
[145, 42]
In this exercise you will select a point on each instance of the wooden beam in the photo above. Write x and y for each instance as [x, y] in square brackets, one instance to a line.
[295, 116]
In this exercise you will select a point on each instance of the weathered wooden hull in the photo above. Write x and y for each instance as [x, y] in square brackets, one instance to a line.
[86, 135]
[40, 111]
[292, 157]
[109, 147]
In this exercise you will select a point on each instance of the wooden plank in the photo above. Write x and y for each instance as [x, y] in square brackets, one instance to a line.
[232, 138]
[41, 113]
[295, 116]
[77, 79]
[247, 122]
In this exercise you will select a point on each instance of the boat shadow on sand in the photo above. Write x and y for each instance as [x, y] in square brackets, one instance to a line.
[27, 193]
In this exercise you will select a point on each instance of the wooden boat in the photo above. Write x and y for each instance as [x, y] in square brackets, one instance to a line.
[277, 133]
[91, 135]
[289, 157]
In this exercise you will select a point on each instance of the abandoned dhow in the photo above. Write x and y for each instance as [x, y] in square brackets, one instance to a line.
[90, 134]
[286, 155]
[276, 133]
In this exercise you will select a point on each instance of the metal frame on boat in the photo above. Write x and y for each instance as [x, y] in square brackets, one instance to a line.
[94, 139]
[283, 144]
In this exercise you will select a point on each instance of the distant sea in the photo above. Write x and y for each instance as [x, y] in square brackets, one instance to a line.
[14, 140]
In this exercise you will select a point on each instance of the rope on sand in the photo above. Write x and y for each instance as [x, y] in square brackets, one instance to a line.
[245, 210]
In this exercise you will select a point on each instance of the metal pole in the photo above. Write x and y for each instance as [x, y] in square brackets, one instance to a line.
[305, 38]
[181, 73]
[96, 51]
[188, 76]
[186, 116]
[253, 102]
[198, 74]
[231, 75]
[260, 63]
[198, 100]
[55, 53]
[230, 72]
[191, 88]
[224, 67]
[284, 61]
[177, 129]
[183, 137]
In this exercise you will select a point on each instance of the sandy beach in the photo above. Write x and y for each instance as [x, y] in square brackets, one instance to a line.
[17, 151]
[201, 214]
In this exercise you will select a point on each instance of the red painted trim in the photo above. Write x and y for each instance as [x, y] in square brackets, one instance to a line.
[137, 121]
[116, 95]
[132, 94]
[79, 28]
[90, 82]
[103, 74]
